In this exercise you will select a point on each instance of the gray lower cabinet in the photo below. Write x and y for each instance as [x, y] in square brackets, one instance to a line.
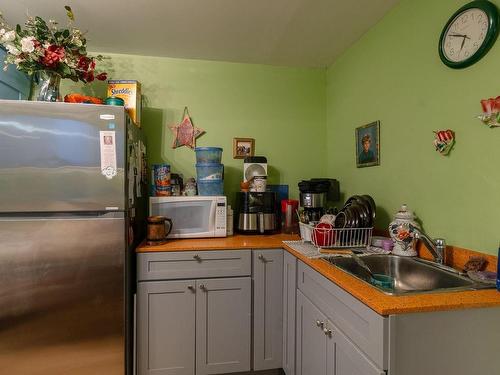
[312, 342]
[268, 309]
[223, 325]
[289, 308]
[194, 327]
[345, 358]
[166, 328]
[322, 349]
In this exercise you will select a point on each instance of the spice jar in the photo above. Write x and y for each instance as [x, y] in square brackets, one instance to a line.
[158, 230]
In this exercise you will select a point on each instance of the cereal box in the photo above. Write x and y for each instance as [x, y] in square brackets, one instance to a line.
[130, 92]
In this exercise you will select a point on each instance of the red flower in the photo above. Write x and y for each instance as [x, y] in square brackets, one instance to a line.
[102, 76]
[88, 76]
[53, 54]
[83, 63]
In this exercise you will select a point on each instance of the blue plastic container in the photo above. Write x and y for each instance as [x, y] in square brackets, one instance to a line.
[208, 155]
[213, 187]
[210, 171]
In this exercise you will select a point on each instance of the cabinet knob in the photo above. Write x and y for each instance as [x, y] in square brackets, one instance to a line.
[328, 332]
[202, 287]
[261, 257]
[320, 323]
[190, 287]
[197, 257]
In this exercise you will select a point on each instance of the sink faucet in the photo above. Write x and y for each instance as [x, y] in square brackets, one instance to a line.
[437, 247]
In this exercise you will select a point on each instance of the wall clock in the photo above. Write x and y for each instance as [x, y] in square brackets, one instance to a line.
[469, 34]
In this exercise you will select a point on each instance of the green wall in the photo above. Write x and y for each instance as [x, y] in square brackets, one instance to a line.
[282, 108]
[394, 74]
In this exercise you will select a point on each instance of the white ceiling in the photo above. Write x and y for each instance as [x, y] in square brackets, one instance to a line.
[309, 33]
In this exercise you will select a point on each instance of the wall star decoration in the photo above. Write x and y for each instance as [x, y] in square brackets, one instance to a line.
[185, 133]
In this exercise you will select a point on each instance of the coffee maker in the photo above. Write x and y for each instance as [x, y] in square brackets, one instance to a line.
[315, 195]
[256, 212]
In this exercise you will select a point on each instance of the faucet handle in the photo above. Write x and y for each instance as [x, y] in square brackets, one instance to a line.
[441, 247]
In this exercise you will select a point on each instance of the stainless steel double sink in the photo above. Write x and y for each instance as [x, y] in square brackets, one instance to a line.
[410, 275]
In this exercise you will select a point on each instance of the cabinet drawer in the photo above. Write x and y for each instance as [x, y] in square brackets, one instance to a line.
[364, 327]
[193, 264]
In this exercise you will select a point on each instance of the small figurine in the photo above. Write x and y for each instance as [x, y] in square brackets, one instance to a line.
[444, 141]
[190, 187]
[491, 112]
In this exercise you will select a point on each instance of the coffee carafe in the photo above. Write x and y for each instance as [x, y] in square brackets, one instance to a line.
[255, 212]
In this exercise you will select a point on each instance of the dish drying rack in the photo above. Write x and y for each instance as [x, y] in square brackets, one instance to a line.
[336, 238]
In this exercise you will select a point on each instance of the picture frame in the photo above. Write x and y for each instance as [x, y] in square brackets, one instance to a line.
[243, 147]
[368, 145]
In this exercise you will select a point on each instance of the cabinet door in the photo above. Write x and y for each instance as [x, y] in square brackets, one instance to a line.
[345, 358]
[268, 309]
[312, 343]
[166, 328]
[223, 325]
[289, 306]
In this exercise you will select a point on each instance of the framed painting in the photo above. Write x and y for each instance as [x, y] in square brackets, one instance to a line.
[243, 147]
[368, 145]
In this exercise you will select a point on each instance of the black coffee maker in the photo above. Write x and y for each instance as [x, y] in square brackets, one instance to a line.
[256, 212]
[315, 195]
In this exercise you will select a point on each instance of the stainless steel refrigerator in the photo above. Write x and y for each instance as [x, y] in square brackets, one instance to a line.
[70, 210]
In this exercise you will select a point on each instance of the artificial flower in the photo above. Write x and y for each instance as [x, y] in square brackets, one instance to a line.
[52, 56]
[12, 49]
[28, 44]
[9, 36]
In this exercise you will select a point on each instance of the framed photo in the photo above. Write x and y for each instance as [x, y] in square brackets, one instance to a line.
[243, 147]
[368, 145]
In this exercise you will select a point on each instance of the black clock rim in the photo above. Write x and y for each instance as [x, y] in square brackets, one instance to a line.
[493, 19]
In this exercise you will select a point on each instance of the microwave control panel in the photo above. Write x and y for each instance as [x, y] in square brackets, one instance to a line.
[220, 217]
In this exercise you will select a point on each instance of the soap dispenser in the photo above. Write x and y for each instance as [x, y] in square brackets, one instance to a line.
[402, 232]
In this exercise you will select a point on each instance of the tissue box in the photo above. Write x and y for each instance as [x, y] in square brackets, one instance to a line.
[130, 92]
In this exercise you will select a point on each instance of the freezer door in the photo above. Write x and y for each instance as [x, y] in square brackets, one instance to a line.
[62, 295]
[50, 157]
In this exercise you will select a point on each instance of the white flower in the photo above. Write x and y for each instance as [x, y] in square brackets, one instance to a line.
[12, 49]
[27, 44]
[18, 60]
[2, 31]
[9, 36]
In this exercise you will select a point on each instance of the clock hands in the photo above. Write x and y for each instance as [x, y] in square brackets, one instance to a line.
[464, 36]
[461, 36]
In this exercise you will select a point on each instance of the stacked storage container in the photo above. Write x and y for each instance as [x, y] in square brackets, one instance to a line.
[209, 171]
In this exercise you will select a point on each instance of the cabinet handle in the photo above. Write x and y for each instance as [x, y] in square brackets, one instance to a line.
[190, 287]
[261, 257]
[197, 257]
[320, 323]
[328, 332]
[202, 287]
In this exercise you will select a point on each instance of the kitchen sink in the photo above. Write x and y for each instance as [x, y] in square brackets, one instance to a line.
[411, 275]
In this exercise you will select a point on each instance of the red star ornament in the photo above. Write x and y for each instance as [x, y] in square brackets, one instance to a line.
[185, 133]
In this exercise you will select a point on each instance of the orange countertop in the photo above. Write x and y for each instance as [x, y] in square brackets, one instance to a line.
[381, 303]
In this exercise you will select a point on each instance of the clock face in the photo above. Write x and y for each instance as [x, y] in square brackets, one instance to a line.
[465, 35]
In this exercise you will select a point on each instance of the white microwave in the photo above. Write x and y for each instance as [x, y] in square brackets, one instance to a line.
[192, 216]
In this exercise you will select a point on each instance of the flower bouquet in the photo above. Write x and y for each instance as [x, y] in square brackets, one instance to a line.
[48, 53]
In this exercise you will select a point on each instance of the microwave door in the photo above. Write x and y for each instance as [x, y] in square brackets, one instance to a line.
[190, 219]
